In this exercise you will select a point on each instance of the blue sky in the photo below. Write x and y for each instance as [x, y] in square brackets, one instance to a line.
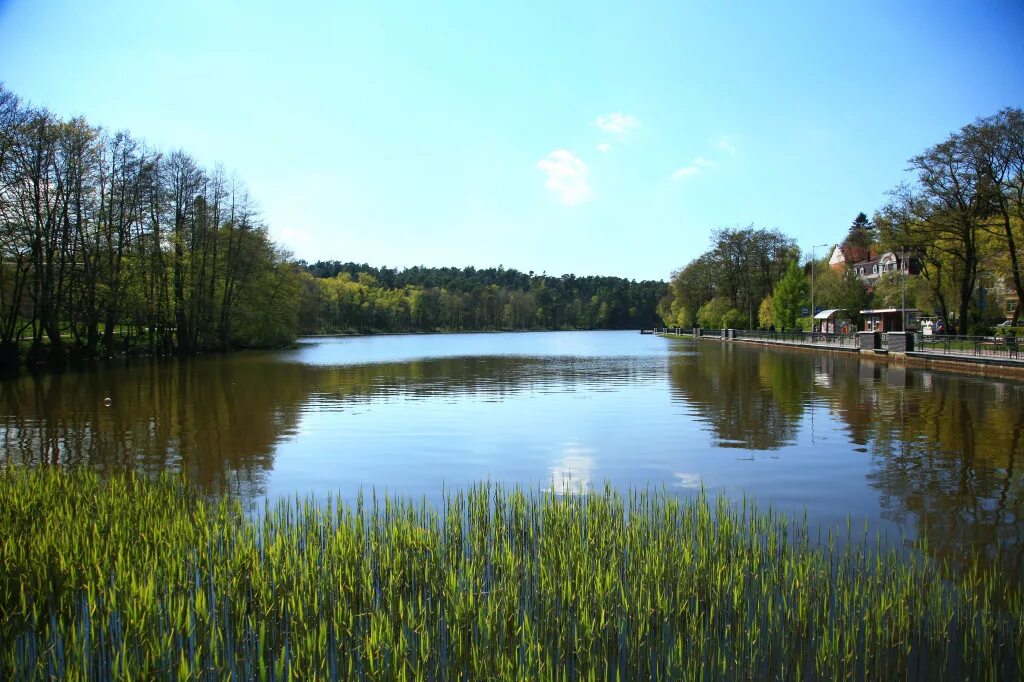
[596, 138]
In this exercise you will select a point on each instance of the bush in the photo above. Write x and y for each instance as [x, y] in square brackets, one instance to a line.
[734, 319]
[711, 313]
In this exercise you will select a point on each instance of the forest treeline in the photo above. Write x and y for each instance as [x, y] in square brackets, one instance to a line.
[959, 221]
[352, 297]
[107, 245]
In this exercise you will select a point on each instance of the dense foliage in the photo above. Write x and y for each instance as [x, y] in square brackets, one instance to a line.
[964, 216]
[106, 243]
[128, 579]
[352, 297]
[733, 277]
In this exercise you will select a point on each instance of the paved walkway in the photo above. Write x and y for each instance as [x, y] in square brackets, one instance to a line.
[990, 360]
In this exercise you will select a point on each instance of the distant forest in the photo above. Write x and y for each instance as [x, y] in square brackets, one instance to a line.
[353, 297]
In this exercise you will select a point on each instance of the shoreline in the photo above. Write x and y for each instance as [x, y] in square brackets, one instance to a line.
[1004, 368]
[121, 359]
[436, 332]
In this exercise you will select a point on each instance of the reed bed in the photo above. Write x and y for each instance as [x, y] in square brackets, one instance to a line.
[128, 578]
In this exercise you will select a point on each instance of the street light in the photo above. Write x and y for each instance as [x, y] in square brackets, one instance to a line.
[813, 311]
[903, 299]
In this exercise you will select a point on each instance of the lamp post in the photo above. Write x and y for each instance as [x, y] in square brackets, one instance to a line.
[813, 312]
[903, 300]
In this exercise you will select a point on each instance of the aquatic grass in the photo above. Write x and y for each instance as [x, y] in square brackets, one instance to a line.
[128, 578]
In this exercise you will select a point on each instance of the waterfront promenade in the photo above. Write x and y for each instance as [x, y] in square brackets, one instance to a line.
[974, 354]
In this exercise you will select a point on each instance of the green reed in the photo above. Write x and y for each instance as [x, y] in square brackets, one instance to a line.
[126, 578]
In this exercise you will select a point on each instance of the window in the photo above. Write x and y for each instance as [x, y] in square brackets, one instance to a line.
[1011, 305]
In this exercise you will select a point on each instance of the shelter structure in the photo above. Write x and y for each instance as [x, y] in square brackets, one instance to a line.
[828, 322]
[890, 319]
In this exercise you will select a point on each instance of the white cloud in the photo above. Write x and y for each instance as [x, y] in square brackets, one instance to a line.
[604, 147]
[567, 176]
[573, 472]
[688, 480]
[727, 144]
[686, 172]
[617, 124]
[696, 167]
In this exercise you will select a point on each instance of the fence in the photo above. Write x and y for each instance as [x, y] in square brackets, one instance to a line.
[803, 338]
[976, 346]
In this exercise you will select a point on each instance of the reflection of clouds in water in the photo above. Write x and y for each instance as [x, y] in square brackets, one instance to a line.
[686, 480]
[574, 470]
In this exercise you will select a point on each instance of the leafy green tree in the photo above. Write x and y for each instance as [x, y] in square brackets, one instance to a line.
[734, 319]
[742, 265]
[994, 150]
[766, 312]
[108, 246]
[710, 315]
[958, 213]
[789, 297]
[842, 290]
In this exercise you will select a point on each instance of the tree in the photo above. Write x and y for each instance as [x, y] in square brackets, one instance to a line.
[889, 291]
[742, 265]
[946, 215]
[995, 147]
[766, 313]
[862, 232]
[842, 290]
[789, 297]
[711, 313]
[734, 319]
[107, 245]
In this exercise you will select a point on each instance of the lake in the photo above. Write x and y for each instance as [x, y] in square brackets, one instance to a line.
[906, 451]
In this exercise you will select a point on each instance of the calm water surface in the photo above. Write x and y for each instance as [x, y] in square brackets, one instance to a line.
[906, 451]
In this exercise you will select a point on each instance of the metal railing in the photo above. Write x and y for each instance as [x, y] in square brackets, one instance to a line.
[812, 338]
[975, 346]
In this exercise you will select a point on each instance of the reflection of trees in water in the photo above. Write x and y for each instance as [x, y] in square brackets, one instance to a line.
[220, 418]
[484, 377]
[947, 452]
[215, 418]
[749, 398]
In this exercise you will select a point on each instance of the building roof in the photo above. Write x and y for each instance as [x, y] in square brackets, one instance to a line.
[825, 314]
[876, 258]
[887, 310]
[853, 254]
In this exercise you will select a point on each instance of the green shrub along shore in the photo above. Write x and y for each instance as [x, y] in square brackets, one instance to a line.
[128, 578]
